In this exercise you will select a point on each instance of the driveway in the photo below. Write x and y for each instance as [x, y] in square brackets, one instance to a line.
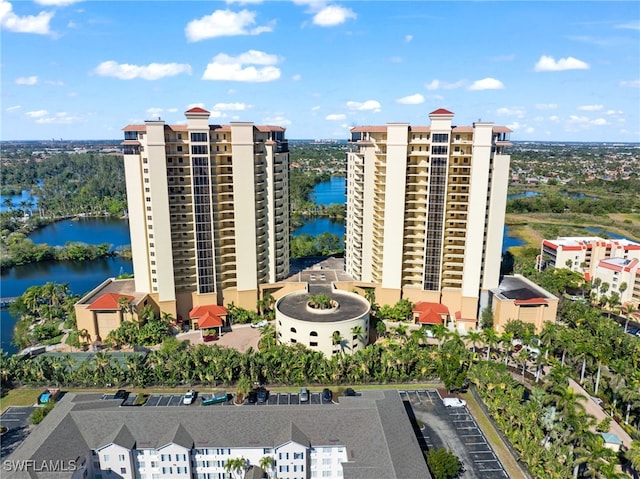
[456, 430]
[241, 337]
[16, 418]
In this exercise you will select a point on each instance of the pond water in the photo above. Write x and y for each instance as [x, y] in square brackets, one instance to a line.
[86, 230]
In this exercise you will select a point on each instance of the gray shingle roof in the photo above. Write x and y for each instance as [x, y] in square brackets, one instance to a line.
[374, 428]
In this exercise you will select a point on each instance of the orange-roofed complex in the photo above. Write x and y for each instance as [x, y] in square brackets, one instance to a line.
[430, 313]
[208, 210]
[425, 211]
[611, 261]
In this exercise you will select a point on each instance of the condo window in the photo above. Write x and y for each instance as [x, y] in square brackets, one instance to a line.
[179, 137]
[440, 138]
[198, 137]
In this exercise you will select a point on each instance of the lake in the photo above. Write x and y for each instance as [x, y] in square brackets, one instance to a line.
[82, 277]
[25, 195]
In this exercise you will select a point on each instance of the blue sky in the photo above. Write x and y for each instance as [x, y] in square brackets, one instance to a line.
[548, 70]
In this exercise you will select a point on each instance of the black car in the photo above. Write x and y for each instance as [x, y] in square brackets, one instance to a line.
[121, 394]
[327, 395]
[252, 397]
[349, 392]
[262, 395]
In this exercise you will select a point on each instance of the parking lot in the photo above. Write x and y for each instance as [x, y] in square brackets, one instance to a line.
[455, 429]
[273, 399]
[16, 419]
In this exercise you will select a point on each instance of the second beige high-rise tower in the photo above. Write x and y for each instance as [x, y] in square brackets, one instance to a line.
[209, 210]
[425, 211]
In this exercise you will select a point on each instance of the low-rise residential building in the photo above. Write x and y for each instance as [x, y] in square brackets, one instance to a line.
[518, 298]
[369, 436]
[614, 262]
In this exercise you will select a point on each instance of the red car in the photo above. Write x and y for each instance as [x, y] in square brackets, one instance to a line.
[210, 337]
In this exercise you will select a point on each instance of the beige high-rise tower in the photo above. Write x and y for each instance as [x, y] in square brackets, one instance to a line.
[208, 210]
[425, 211]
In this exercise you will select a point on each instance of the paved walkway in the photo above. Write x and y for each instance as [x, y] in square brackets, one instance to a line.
[242, 337]
[595, 410]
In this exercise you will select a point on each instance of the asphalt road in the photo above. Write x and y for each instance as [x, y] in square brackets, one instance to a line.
[16, 418]
[456, 430]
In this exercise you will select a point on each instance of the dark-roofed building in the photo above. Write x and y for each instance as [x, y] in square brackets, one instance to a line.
[369, 436]
[518, 298]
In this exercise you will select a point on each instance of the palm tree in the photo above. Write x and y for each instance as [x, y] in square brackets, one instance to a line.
[358, 333]
[337, 339]
[629, 309]
[236, 467]
[633, 454]
[474, 337]
[491, 338]
[267, 464]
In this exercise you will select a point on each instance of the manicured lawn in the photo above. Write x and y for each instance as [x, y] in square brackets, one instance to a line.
[20, 397]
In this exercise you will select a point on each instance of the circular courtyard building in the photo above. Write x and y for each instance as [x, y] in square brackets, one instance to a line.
[341, 324]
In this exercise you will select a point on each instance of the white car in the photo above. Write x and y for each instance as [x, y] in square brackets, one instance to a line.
[454, 402]
[259, 324]
[189, 397]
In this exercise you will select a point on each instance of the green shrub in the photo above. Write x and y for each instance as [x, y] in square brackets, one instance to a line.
[443, 464]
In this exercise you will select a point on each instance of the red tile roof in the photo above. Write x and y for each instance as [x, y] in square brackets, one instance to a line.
[209, 321]
[108, 302]
[531, 301]
[214, 309]
[441, 111]
[197, 109]
[430, 313]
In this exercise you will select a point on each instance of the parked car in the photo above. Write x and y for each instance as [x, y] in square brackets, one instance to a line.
[259, 324]
[262, 395]
[349, 392]
[454, 402]
[121, 394]
[252, 397]
[210, 337]
[327, 395]
[189, 397]
[304, 395]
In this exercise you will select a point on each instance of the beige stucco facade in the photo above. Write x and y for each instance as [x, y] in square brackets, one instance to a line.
[518, 298]
[425, 211]
[209, 210]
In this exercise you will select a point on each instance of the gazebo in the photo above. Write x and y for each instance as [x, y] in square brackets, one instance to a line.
[210, 316]
[426, 313]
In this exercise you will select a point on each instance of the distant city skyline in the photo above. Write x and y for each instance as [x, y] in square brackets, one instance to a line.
[550, 71]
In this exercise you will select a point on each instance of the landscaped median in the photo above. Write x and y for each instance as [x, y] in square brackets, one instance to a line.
[499, 447]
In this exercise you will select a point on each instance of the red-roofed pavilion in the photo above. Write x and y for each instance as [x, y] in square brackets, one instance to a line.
[209, 316]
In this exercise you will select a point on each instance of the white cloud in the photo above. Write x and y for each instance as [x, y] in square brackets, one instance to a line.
[546, 106]
[486, 84]
[224, 23]
[333, 15]
[415, 99]
[335, 117]
[554, 118]
[437, 84]
[590, 107]
[37, 113]
[32, 80]
[315, 108]
[277, 119]
[599, 122]
[408, 38]
[226, 67]
[232, 106]
[153, 71]
[38, 24]
[614, 112]
[366, 105]
[14, 108]
[631, 83]
[154, 112]
[60, 118]
[54, 83]
[433, 85]
[578, 119]
[516, 111]
[244, 2]
[629, 26]
[549, 64]
[296, 77]
[57, 3]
